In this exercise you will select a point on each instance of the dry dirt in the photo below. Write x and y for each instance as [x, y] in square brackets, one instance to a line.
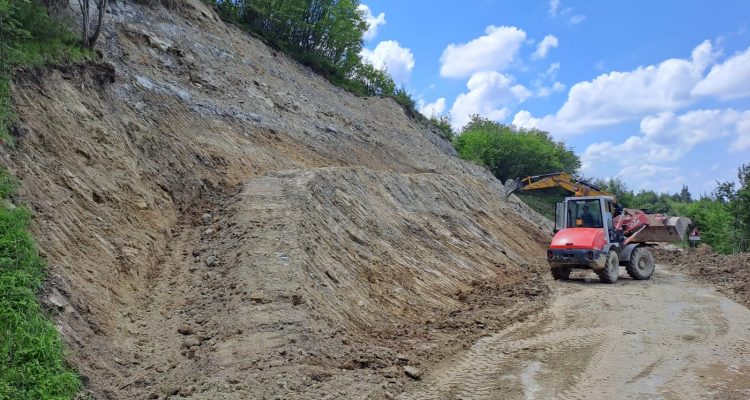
[729, 273]
[222, 223]
[666, 338]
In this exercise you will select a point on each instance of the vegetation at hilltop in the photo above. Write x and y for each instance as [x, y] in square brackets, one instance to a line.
[510, 152]
[326, 35]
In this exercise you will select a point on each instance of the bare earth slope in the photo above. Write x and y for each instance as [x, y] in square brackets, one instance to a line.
[220, 222]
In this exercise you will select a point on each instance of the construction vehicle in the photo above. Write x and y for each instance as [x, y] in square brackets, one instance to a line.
[556, 179]
[592, 231]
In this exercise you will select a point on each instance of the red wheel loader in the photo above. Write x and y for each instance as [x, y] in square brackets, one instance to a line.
[593, 232]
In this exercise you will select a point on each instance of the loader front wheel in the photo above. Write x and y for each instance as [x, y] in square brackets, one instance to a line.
[641, 264]
[561, 272]
[611, 269]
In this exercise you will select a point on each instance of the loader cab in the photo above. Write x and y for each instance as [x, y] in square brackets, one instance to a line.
[586, 212]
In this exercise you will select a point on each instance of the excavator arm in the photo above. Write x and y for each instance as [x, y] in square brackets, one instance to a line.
[557, 179]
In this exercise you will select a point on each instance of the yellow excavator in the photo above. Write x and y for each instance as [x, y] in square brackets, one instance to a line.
[555, 179]
[592, 231]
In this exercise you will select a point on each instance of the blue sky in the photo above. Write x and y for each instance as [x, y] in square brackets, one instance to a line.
[657, 93]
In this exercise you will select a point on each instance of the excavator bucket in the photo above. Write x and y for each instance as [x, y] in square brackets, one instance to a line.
[663, 228]
[511, 186]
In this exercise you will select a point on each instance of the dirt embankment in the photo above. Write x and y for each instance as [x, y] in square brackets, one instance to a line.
[220, 222]
[729, 273]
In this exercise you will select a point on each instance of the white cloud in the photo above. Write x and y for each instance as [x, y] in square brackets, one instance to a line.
[551, 72]
[576, 19]
[728, 80]
[524, 119]
[398, 61]
[555, 9]
[544, 91]
[431, 109]
[489, 95]
[742, 143]
[618, 97]
[546, 82]
[665, 139]
[373, 22]
[549, 42]
[554, 5]
[491, 52]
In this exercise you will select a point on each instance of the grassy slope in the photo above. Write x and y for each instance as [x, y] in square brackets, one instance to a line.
[32, 359]
[32, 362]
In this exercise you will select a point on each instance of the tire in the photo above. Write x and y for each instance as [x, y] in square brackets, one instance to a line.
[611, 269]
[560, 272]
[641, 264]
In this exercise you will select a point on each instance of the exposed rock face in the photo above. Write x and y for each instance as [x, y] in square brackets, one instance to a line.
[341, 236]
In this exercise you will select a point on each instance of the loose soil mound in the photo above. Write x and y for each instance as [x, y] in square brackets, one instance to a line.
[730, 273]
[220, 222]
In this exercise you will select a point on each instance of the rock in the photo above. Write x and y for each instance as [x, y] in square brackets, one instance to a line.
[185, 330]
[188, 391]
[402, 357]
[191, 342]
[210, 261]
[206, 218]
[57, 300]
[196, 252]
[142, 205]
[209, 231]
[412, 372]
[144, 82]
[259, 297]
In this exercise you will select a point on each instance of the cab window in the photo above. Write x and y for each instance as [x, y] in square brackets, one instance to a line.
[584, 213]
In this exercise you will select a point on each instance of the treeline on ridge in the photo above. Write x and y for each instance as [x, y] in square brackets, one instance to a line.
[326, 35]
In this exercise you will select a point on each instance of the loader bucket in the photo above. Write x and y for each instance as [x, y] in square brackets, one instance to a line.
[663, 228]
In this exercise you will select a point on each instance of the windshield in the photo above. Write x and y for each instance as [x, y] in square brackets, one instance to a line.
[585, 213]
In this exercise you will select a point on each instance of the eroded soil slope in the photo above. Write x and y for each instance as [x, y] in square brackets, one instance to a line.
[220, 222]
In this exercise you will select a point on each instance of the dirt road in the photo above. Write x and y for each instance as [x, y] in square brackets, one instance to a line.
[667, 338]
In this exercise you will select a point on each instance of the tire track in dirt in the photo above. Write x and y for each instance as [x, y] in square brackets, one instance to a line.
[634, 339]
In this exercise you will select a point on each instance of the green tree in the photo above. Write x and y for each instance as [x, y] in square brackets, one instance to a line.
[685, 195]
[325, 35]
[443, 124]
[737, 200]
[512, 153]
[714, 220]
[617, 187]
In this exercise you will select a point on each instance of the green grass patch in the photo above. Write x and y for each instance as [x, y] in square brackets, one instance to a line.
[32, 359]
[6, 111]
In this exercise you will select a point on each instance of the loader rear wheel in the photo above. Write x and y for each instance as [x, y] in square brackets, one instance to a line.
[641, 264]
[611, 269]
[561, 272]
